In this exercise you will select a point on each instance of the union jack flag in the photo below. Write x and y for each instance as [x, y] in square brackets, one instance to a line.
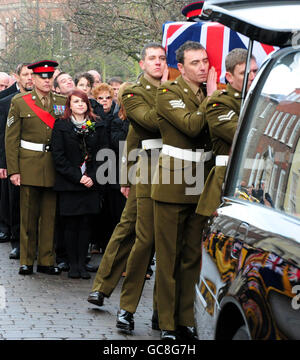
[294, 274]
[274, 263]
[216, 38]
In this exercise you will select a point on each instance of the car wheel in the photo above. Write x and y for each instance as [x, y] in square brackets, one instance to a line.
[241, 334]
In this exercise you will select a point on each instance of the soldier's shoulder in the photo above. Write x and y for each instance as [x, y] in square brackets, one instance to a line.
[58, 98]
[19, 97]
[132, 89]
[219, 97]
[167, 86]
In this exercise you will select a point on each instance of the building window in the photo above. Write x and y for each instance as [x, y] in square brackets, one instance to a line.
[288, 128]
[281, 125]
[275, 124]
[270, 123]
[294, 134]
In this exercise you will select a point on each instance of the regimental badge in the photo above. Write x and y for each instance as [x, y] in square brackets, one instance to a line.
[177, 104]
[10, 121]
[59, 109]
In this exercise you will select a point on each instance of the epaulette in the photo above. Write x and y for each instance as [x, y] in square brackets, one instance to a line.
[20, 95]
[59, 96]
[222, 92]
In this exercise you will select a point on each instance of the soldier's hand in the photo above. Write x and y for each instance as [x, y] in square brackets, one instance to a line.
[3, 173]
[165, 75]
[86, 181]
[211, 85]
[125, 191]
[16, 179]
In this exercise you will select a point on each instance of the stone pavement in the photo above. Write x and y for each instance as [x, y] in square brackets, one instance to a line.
[43, 307]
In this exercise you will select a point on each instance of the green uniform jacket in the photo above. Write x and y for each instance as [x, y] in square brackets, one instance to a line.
[132, 144]
[36, 167]
[222, 114]
[183, 125]
[139, 103]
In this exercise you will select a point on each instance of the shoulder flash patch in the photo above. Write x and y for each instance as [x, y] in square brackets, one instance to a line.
[215, 105]
[164, 90]
[130, 95]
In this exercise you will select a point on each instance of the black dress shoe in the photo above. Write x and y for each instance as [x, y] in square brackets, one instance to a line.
[187, 333]
[125, 320]
[63, 266]
[168, 335]
[96, 298]
[49, 270]
[91, 268]
[154, 320]
[26, 270]
[15, 253]
[74, 273]
[84, 274]
[4, 237]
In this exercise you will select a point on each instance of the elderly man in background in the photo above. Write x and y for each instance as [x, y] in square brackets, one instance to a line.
[10, 194]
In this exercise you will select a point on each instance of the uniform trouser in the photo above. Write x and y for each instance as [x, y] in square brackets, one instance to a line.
[139, 257]
[37, 205]
[178, 256]
[14, 213]
[114, 260]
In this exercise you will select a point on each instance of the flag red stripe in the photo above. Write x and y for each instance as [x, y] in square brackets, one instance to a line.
[267, 48]
[214, 41]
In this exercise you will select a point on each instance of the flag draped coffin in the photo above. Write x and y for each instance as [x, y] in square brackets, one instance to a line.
[218, 40]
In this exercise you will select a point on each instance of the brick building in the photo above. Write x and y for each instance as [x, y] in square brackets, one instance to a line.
[12, 11]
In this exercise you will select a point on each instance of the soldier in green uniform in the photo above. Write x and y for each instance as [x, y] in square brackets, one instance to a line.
[222, 114]
[120, 244]
[181, 120]
[139, 103]
[30, 166]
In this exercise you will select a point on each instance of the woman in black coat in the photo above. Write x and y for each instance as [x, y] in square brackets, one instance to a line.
[114, 201]
[76, 139]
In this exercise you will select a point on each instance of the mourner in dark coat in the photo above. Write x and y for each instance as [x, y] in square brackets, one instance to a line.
[76, 140]
[114, 201]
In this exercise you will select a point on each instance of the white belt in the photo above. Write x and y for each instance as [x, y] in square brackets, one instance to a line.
[185, 154]
[34, 146]
[151, 144]
[222, 160]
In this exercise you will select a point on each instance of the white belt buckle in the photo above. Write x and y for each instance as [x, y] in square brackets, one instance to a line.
[151, 144]
[222, 160]
[34, 146]
[185, 154]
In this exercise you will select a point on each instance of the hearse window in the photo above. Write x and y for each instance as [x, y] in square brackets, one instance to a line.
[269, 172]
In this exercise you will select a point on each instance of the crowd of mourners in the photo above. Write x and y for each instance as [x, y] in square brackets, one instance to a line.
[62, 155]
[104, 205]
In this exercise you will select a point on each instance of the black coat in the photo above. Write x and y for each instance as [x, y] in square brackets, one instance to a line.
[4, 109]
[8, 91]
[68, 155]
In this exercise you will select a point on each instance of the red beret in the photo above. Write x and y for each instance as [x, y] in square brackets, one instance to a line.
[193, 10]
[44, 66]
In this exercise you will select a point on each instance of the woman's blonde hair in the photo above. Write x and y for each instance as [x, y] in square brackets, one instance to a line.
[102, 87]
